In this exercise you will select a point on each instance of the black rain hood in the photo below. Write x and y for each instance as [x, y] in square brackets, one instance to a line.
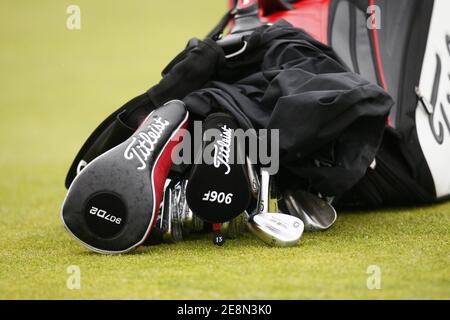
[330, 120]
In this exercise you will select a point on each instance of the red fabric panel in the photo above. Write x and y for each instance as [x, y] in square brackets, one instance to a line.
[310, 15]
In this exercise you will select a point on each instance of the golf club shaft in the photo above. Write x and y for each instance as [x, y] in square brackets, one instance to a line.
[253, 178]
[263, 201]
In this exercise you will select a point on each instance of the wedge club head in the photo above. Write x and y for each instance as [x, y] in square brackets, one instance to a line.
[276, 229]
[281, 230]
[317, 214]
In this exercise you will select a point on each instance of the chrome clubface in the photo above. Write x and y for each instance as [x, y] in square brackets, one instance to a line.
[278, 229]
[168, 222]
[316, 213]
[177, 220]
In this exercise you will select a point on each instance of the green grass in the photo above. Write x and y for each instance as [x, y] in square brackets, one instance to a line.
[56, 85]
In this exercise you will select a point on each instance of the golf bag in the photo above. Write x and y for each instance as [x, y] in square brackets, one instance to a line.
[408, 168]
[113, 204]
[404, 47]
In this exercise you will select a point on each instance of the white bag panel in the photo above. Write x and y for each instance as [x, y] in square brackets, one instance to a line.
[434, 129]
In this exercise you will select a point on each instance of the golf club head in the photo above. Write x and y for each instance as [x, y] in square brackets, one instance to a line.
[113, 203]
[189, 221]
[316, 213]
[276, 229]
[281, 230]
[219, 189]
[176, 221]
[171, 230]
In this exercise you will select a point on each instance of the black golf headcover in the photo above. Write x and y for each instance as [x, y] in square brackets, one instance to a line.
[219, 191]
[112, 205]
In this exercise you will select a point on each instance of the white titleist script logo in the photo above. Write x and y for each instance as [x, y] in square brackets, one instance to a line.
[222, 149]
[142, 145]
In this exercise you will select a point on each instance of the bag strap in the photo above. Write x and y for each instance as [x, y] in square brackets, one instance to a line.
[240, 7]
[217, 31]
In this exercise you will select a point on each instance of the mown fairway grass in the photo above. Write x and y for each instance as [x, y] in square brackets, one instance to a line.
[57, 85]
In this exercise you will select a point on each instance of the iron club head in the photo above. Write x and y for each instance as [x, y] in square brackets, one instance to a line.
[316, 213]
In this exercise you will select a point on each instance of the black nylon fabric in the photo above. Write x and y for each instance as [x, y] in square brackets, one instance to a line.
[331, 121]
[189, 71]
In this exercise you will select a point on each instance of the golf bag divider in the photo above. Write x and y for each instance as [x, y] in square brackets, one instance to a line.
[113, 203]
